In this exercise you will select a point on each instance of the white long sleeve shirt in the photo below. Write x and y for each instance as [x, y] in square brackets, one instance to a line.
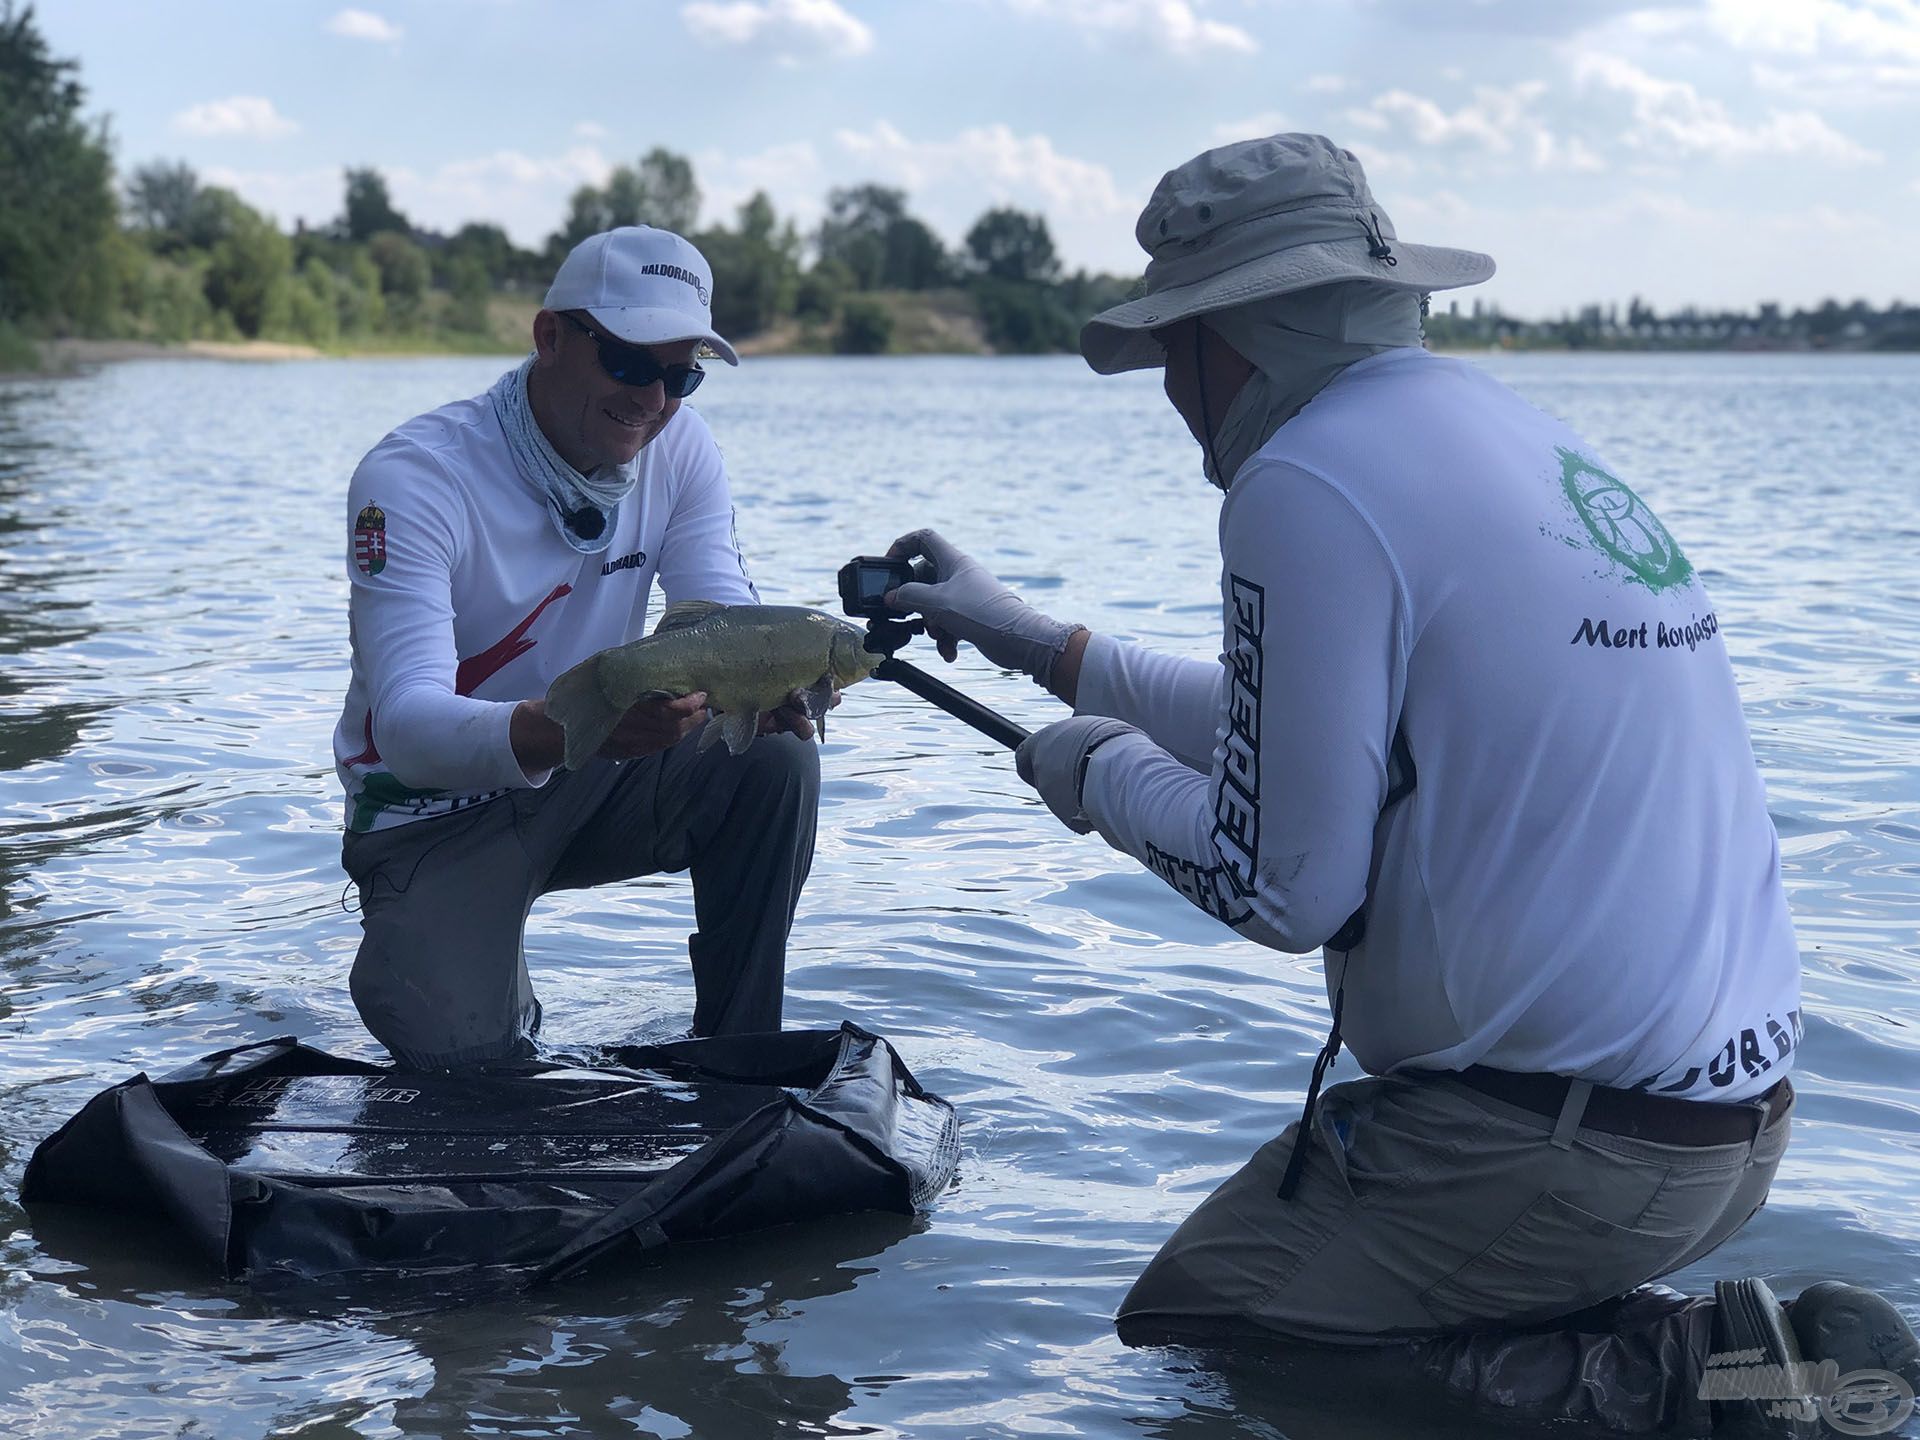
[466, 601]
[1585, 879]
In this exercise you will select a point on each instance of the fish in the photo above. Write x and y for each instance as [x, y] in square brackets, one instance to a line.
[748, 658]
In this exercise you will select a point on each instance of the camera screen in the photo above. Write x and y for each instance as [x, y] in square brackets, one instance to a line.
[875, 582]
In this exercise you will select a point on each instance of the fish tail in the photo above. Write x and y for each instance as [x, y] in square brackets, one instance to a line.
[577, 703]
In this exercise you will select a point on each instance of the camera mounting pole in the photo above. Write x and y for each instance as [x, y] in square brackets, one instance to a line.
[886, 636]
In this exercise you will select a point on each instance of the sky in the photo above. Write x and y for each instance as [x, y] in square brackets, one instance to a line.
[1707, 152]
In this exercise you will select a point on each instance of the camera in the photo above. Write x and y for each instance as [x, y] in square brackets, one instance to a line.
[865, 581]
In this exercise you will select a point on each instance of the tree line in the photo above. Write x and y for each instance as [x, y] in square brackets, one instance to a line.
[163, 256]
[1829, 325]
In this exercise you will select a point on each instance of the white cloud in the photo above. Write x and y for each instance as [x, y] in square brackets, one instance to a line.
[1374, 160]
[1842, 53]
[1267, 122]
[314, 195]
[1498, 121]
[1326, 84]
[1008, 167]
[252, 116]
[951, 182]
[1174, 25]
[1866, 29]
[526, 195]
[590, 130]
[1672, 116]
[1571, 153]
[789, 172]
[364, 25]
[791, 30]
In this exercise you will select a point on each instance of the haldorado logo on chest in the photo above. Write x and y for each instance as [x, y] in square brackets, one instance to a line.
[1620, 525]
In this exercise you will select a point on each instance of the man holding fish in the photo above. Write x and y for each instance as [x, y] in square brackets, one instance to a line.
[497, 543]
[1474, 733]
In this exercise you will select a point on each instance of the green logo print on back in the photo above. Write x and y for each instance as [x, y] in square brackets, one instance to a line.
[1620, 526]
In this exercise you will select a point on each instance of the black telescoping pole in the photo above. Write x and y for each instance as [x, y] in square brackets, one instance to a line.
[990, 723]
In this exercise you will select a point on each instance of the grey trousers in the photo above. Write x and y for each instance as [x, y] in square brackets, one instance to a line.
[441, 977]
[1426, 1209]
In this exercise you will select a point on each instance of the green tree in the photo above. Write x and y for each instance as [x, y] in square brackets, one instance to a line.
[405, 277]
[1010, 244]
[363, 310]
[1023, 318]
[915, 258]
[173, 298]
[160, 203]
[249, 270]
[489, 247]
[587, 214]
[369, 209]
[669, 196]
[756, 269]
[866, 328]
[854, 232]
[821, 290]
[470, 291]
[57, 208]
[213, 215]
[659, 191]
[313, 308]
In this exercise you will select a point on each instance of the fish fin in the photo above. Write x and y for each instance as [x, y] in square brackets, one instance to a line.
[737, 728]
[819, 700]
[709, 733]
[685, 613]
[578, 705]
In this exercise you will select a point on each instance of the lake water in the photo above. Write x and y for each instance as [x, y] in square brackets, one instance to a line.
[172, 619]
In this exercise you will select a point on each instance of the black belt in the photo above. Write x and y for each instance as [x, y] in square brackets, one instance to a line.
[1635, 1113]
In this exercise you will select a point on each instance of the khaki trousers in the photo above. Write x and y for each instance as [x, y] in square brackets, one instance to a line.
[1472, 1244]
[1425, 1206]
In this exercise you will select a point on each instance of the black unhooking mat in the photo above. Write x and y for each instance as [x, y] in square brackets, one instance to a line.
[281, 1161]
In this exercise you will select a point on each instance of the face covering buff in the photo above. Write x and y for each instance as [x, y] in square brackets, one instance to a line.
[567, 491]
[1296, 344]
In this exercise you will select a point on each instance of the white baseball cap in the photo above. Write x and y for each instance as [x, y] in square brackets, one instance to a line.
[643, 285]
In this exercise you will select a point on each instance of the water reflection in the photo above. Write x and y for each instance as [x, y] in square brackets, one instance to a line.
[692, 1343]
[34, 616]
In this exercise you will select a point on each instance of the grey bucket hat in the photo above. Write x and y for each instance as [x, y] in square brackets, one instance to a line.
[1253, 220]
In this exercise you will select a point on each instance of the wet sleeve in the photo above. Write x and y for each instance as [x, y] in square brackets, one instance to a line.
[400, 616]
[1175, 700]
[1277, 838]
[700, 551]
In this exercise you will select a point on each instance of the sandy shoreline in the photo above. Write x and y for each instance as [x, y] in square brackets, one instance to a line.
[66, 356]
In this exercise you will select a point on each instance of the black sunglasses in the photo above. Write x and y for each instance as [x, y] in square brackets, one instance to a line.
[630, 365]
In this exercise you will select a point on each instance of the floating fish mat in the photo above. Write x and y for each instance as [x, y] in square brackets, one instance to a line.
[279, 1161]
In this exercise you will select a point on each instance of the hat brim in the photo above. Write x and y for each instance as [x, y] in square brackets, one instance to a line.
[642, 325]
[1121, 338]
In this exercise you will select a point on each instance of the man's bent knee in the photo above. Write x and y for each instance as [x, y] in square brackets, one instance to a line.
[776, 762]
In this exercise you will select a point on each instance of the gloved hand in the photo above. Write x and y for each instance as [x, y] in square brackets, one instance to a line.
[1054, 762]
[964, 602]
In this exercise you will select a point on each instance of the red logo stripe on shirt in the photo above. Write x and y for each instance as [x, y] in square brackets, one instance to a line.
[370, 755]
[476, 670]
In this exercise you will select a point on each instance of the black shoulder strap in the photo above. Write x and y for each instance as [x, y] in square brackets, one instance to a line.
[1401, 778]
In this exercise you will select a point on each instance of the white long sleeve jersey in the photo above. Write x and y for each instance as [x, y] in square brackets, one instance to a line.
[466, 601]
[1584, 879]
